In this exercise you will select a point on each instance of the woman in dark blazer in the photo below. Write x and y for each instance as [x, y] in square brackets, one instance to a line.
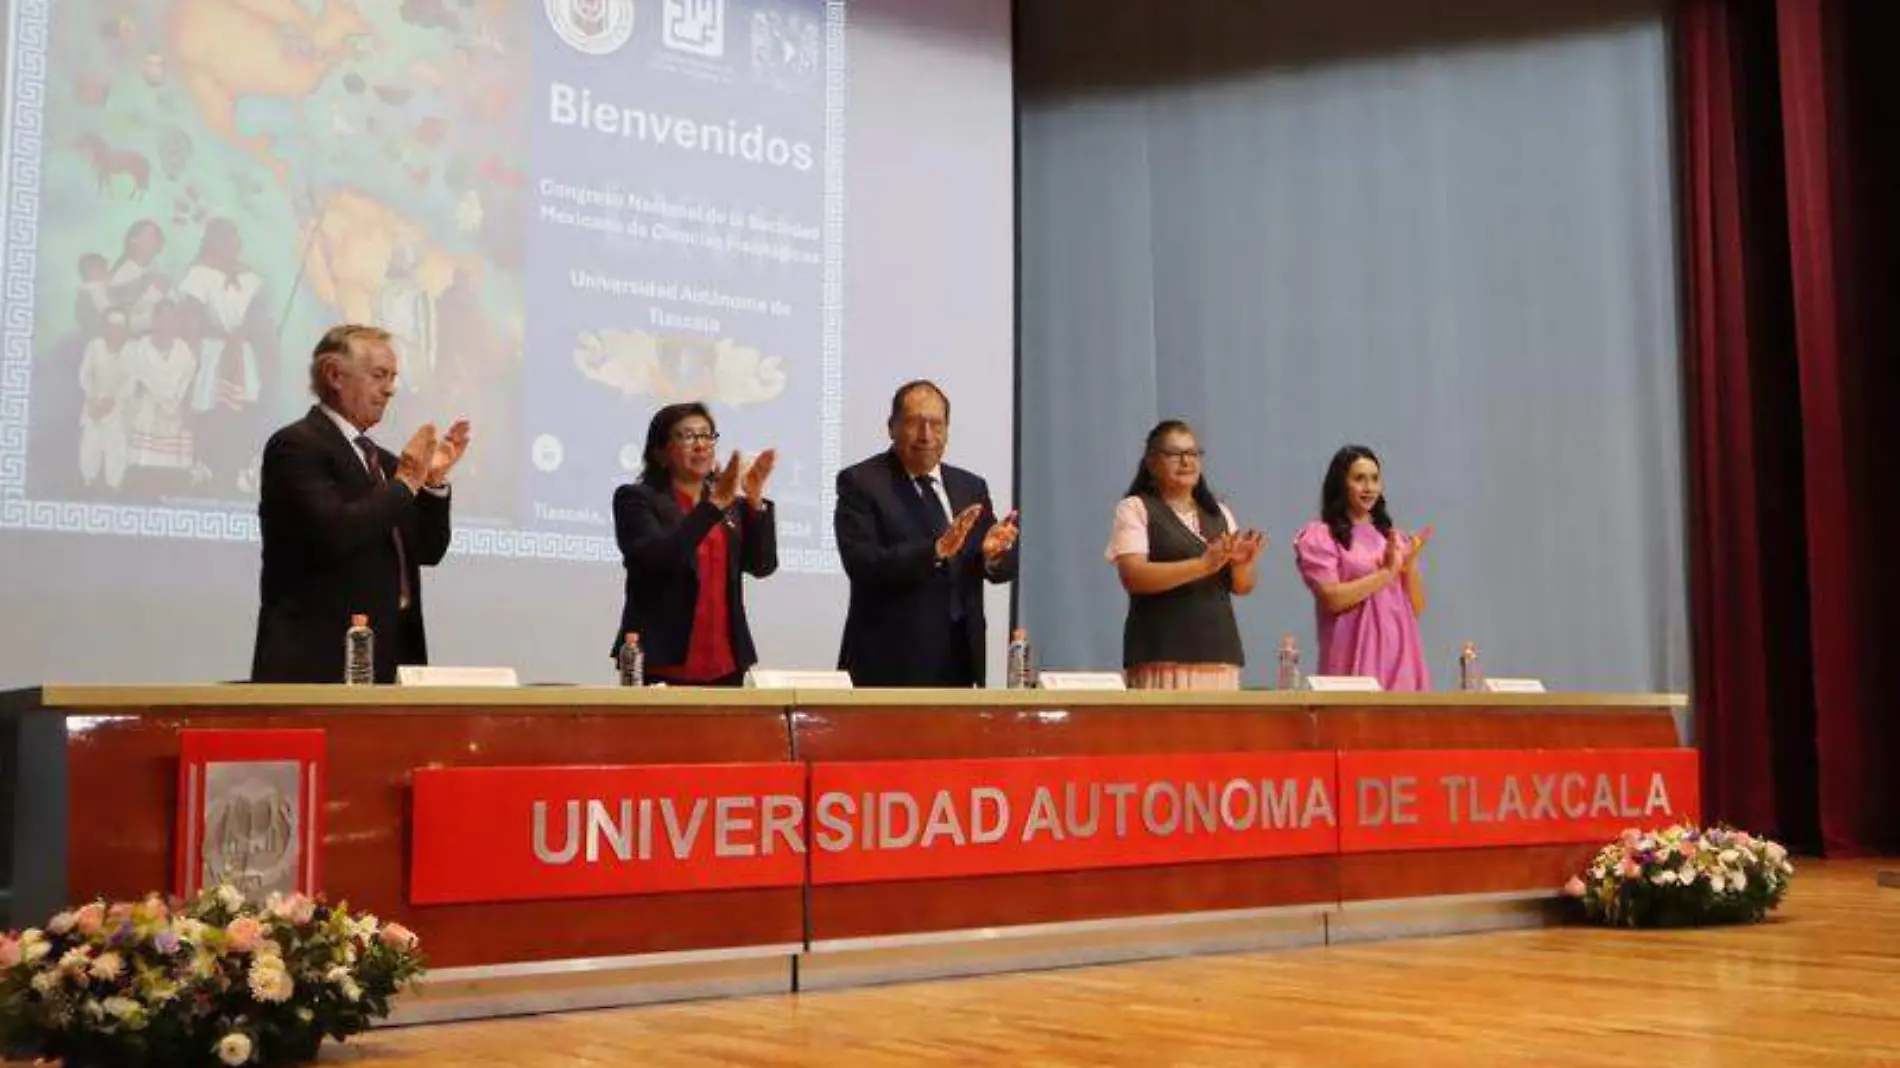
[687, 531]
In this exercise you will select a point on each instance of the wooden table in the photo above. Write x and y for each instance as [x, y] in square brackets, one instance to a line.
[94, 815]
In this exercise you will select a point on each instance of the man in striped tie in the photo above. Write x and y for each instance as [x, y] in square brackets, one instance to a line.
[348, 525]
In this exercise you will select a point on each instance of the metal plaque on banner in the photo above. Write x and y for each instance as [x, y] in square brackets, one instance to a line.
[250, 811]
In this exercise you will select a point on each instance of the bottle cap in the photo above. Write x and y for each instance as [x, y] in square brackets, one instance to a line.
[359, 620]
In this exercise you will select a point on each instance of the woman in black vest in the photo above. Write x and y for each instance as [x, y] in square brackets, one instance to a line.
[1182, 559]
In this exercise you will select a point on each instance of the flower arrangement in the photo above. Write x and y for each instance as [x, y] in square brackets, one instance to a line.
[213, 981]
[1682, 876]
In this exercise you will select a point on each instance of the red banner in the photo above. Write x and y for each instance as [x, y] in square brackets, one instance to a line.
[511, 834]
[502, 834]
[1463, 799]
[929, 819]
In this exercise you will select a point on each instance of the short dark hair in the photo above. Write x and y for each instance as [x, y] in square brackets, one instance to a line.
[912, 386]
[653, 470]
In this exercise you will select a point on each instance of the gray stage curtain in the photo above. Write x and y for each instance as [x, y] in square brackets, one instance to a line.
[1443, 230]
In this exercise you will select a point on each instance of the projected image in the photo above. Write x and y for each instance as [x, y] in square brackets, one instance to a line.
[568, 212]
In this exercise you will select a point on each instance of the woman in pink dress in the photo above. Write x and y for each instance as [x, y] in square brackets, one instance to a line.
[1182, 559]
[1367, 590]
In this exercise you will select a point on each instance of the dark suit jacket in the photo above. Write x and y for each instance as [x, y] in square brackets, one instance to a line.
[658, 545]
[328, 554]
[900, 630]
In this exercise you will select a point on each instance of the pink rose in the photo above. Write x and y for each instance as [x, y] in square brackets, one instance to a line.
[9, 951]
[1629, 869]
[296, 908]
[90, 919]
[396, 936]
[243, 934]
[1687, 848]
[1574, 888]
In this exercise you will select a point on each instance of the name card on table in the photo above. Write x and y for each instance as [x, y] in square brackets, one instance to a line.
[770, 679]
[1343, 684]
[1513, 686]
[418, 675]
[1082, 680]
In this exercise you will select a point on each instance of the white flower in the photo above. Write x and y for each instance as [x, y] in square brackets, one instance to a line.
[123, 1009]
[108, 967]
[46, 982]
[234, 1049]
[36, 951]
[1717, 881]
[270, 982]
[62, 923]
[230, 898]
[75, 960]
[1664, 878]
[351, 992]
[1738, 882]
[1731, 856]
[1687, 874]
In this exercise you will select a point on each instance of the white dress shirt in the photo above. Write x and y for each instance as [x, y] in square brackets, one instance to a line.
[351, 433]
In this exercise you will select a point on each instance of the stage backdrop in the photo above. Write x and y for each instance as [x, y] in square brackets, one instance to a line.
[569, 212]
[1444, 231]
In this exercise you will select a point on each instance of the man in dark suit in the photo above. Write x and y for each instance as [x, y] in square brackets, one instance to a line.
[918, 538]
[347, 525]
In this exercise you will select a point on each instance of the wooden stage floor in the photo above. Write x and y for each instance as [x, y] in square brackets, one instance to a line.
[1818, 985]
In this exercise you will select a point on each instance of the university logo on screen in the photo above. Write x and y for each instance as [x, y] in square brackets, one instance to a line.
[594, 27]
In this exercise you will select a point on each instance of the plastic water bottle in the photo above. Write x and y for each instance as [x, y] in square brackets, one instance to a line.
[359, 653]
[1288, 675]
[1020, 675]
[633, 661]
[1470, 675]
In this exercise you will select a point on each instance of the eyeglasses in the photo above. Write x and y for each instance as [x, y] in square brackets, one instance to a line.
[695, 437]
[1181, 455]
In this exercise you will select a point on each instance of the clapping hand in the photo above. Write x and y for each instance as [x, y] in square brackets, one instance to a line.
[418, 458]
[1001, 538]
[725, 487]
[1394, 560]
[755, 476]
[950, 542]
[1419, 541]
[1247, 548]
[1220, 553]
[448, 450]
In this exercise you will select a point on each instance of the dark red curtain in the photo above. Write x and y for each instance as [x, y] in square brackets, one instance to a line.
[1790, 370]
